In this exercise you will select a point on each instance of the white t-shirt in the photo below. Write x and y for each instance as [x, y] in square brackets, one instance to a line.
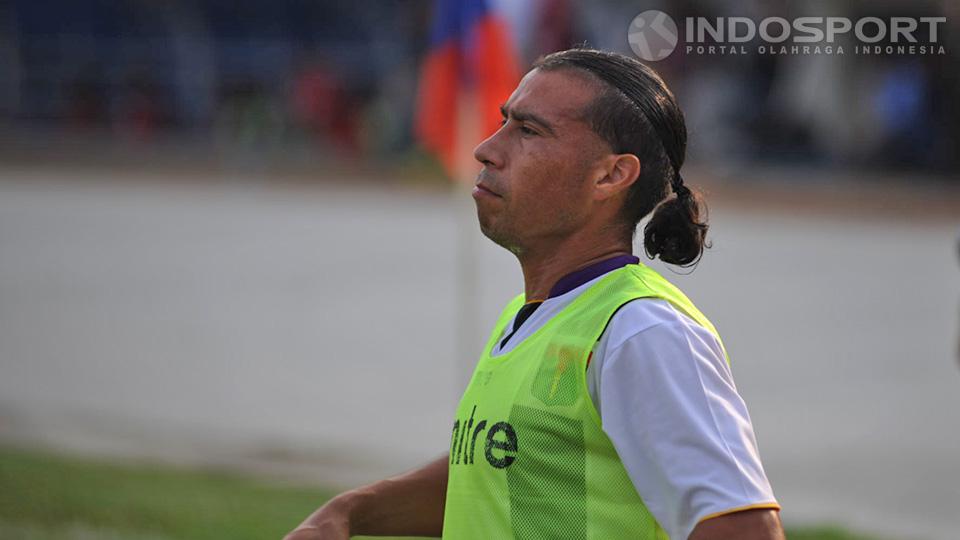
[667, 401]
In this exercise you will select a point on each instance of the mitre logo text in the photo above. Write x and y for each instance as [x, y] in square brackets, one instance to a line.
[498, 441]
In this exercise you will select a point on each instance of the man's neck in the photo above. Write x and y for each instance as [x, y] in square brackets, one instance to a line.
[543, 268]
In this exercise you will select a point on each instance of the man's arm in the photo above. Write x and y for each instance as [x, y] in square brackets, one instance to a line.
[407, 505]
[671, 410]
[761, 524]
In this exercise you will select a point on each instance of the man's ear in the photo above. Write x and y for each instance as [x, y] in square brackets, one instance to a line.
[621, 171]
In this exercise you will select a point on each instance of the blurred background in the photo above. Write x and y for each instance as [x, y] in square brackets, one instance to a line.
[232, 282]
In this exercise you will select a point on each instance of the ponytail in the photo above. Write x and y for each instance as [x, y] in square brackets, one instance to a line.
[678, 229]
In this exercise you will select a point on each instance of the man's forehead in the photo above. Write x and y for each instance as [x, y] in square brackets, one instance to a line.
[556, 95]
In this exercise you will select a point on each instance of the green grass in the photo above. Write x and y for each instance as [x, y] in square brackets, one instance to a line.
[46, 497]
[47, 492]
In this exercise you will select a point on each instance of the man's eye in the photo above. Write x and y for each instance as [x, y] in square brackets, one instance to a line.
[523, 129]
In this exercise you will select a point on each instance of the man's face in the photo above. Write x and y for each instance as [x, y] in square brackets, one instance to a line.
[540, 167]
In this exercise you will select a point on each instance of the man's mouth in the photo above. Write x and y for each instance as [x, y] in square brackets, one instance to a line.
[481, 190]
[484, 189]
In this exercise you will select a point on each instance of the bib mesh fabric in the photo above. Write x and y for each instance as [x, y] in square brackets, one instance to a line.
[528, 457]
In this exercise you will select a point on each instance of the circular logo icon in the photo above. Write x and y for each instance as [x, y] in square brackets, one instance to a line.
[652, 35]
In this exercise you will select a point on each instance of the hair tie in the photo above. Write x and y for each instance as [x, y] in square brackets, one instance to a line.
[681, 190]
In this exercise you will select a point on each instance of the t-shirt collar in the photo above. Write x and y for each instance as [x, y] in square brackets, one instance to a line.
[577, 278]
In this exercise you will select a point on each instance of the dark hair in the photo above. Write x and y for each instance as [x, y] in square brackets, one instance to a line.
[637, 114]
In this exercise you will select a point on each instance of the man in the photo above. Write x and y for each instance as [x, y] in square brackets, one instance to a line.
[603, 405]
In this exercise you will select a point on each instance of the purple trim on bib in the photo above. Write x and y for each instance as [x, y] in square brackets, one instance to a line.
[577, 278]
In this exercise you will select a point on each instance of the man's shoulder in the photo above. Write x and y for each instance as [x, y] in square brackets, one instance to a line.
[640, 314]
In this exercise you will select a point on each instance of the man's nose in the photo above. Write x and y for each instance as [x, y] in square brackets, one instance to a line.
[488, 152]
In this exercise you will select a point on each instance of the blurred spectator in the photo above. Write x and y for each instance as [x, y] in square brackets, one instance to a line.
[139, 112]
[86, 99]
[323, 107]
[905, 123]
[247, 117]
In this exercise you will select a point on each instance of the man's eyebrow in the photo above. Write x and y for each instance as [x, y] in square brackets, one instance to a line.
[524, 116]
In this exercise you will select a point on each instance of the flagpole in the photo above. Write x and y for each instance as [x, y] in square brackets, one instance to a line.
[468, 289]
[468, 295]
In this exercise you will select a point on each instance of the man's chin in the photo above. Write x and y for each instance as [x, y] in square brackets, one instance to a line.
[507, 242]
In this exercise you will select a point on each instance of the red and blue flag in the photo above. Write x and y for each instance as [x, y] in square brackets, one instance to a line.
[469, 71]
